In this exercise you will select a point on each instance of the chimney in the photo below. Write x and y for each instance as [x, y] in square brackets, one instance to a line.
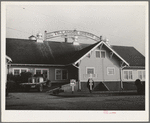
[45, 33]
[75, 42]
[100, 38]
[66, 39]
[106, 41]
[39, 38]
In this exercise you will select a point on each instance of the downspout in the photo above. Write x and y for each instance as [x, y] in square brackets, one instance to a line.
[103, 79]
[79, 86]
[121, 70]
[8, 68]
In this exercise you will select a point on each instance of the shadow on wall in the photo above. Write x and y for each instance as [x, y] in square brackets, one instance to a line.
[100, 87]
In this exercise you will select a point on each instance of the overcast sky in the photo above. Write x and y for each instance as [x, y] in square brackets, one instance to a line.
[121, 24]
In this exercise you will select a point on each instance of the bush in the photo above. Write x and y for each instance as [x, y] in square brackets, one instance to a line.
[140, 87]
[11, 86]
[25, 76]
[13, 82]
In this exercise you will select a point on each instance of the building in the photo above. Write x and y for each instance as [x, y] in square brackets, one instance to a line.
[112, 67]
[8, 61]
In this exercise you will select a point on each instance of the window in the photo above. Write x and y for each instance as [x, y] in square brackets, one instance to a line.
[141, 75]
[23, 70]
[97, 54]
[100, 53]
[64, 74]
[38, 72]
[61, 74]
[58, 74]
[110, 71]
[18, 71]
[90, 70]
[42, 72]
[45, 74]
[128, 75]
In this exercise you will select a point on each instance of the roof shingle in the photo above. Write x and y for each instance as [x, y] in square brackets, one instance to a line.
[130, 54]
[23, 51]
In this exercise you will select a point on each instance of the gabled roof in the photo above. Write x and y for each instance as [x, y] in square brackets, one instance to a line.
[130, 54]
[23, 51]
[81, 53]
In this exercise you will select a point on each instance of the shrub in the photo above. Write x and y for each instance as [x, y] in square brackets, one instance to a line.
[13, 83]
[140, 87]
[25, 76]
[11, 86]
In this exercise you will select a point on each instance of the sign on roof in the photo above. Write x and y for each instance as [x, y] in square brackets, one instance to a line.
[70, 33]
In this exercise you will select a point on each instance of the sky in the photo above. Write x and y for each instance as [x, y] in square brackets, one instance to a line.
[121, 24]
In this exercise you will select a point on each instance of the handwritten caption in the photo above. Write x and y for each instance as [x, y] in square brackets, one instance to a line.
[109, 112]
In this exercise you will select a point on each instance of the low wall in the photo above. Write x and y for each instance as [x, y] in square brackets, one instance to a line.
[130, 85]
[102, 86]
[109, 86]
[113, 86]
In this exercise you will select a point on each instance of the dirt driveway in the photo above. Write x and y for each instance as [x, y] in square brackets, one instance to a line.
[44, 101]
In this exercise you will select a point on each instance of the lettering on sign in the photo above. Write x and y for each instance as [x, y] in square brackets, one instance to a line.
[106, 112]
[71, 33]
[72, 84]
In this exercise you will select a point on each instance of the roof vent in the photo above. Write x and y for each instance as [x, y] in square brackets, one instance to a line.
[66, 39]
[106, 41]
[39, 38]
[75, 42]
[32, 37]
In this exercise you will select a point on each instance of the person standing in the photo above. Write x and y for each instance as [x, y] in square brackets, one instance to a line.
[90, 84]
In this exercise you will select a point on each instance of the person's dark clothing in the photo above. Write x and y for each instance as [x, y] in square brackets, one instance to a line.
[88, 84]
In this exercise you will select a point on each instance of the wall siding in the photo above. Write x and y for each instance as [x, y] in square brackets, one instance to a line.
[100, 66]
[72, 72]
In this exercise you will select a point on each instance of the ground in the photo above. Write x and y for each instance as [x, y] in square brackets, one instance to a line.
[94, 101]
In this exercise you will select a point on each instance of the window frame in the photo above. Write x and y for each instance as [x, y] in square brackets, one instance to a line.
[61, 74]
[19, 70]
[90, 68]
[110, 68]
[100, 51]
[42, 71]
[143, 71]
[128, 74]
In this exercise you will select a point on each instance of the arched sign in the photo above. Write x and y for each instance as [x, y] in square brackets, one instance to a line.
[70, 33]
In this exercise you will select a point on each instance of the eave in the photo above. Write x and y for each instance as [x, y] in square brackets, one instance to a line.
[102, 42]
[40, 65]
